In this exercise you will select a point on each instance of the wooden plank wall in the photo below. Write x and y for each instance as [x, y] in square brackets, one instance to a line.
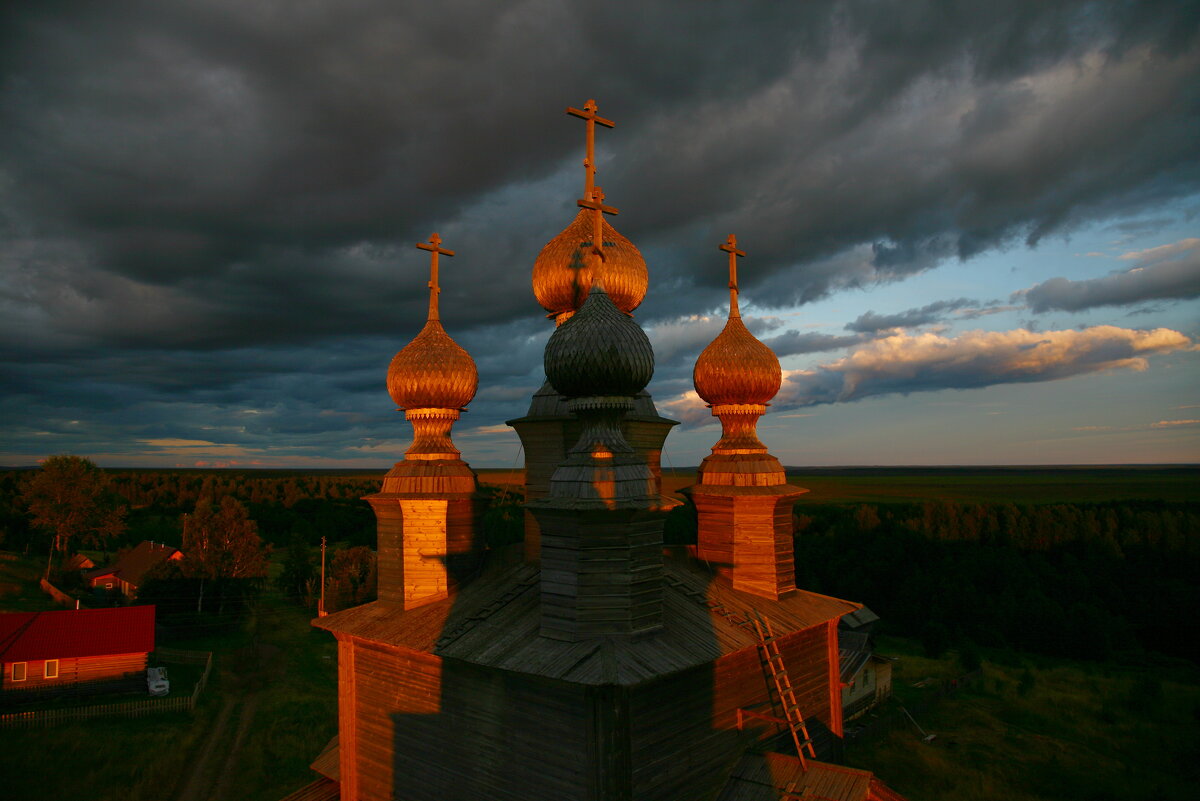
[423, 729]
[678, 749]
[763, 549]
[424, 549]
[684, 735]
[601, 572]
[753, 533]
[389, 526]
[714, 528]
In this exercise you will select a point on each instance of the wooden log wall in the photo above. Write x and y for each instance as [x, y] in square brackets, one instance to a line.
[71, 671]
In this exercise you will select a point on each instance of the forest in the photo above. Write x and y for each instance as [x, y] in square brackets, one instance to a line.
[1095, 579]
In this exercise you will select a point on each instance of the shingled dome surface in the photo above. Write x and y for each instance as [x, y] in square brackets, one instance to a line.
[562, 273]
[599, 351]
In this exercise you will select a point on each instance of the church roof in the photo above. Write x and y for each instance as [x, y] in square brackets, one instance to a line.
[768, 775]
[495, 622]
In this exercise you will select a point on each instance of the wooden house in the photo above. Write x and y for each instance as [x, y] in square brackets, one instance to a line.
[129, 571]
[79, 562]
[866, 676]
[41, 650]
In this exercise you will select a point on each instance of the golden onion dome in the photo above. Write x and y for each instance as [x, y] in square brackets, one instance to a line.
[562, 273]
[432, 372]
[737, 368]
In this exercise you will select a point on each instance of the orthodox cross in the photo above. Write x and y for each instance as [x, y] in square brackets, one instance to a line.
[595, 202]
[731, 248]
[434, 247]
[588, 114]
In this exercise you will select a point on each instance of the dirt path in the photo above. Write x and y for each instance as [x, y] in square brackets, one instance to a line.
[211, 774]
[198, 782]
[249, 707]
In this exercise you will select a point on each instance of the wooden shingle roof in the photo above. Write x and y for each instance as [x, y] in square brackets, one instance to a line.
[495, 622]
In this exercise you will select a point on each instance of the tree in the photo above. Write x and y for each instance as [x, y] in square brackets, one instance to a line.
[70, 497]
[221, 545]
[298, 568]
[352, 574]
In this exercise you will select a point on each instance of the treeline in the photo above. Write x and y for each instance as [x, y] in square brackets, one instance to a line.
[306, 506]
[1081, 580]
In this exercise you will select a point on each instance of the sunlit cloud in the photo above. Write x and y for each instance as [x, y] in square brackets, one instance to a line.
[179, 443]
[928, 362]
[487, 431]
[688, 408]
[1175, 423]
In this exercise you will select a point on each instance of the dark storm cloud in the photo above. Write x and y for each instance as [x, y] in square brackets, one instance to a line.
[794, 343]
[1169, 272]
[216, 201]
[869, 322]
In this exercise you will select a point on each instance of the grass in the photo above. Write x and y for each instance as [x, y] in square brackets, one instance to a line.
[1042, 729]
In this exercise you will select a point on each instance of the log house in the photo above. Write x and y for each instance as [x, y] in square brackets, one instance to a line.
[41, 650]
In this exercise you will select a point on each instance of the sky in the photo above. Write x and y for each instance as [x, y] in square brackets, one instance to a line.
[973, 230]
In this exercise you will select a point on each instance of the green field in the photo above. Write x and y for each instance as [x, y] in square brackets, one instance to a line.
[1034, 729]
[1021, 485]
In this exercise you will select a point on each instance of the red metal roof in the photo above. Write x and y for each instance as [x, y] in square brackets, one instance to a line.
[72, 633]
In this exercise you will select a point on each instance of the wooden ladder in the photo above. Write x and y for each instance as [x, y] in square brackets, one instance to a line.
[783, 686]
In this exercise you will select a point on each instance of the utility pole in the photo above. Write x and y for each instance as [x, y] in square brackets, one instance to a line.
[321, 603]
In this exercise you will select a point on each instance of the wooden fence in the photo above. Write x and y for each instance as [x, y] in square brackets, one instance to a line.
[126, 709]
[57, 594]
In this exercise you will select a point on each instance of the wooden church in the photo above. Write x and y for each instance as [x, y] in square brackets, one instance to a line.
[598, 666]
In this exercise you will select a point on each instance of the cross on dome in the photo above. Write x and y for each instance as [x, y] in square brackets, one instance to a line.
[588, 115]
[731, 248]
[434, 246]
[595, 202]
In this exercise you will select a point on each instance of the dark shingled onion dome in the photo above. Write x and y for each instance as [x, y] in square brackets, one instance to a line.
[599, 352]
[432, 372]
[562, 273]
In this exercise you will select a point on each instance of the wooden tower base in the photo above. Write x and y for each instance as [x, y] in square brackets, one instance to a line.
[426, 522]
[548, 431]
